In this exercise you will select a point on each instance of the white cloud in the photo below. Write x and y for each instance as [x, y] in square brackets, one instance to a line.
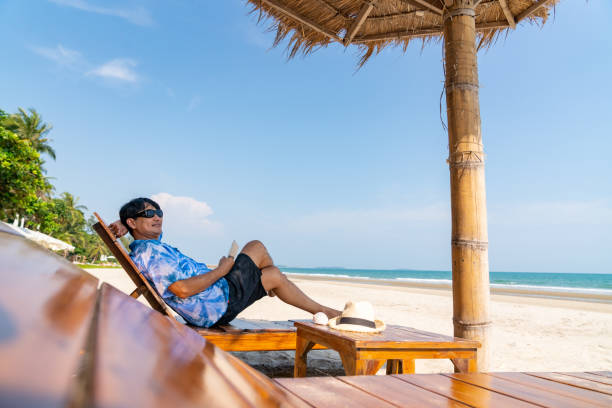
[193, 103]
[61, 55]
[184, 211]
[189, 227]
[139, 16]
[119, 69]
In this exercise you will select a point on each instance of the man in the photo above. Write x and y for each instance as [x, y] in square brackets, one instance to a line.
[205, 297]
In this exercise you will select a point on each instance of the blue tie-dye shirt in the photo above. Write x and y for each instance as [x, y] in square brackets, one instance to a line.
[163, 265]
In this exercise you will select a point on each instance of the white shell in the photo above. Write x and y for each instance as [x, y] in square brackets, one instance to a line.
[320, 318]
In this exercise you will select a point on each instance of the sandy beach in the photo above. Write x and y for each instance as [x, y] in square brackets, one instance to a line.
[529, 334]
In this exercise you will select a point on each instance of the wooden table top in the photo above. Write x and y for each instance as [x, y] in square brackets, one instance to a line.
[392, 337]
[456, 390]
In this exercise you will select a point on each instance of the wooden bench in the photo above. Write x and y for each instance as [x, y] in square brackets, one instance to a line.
[239, 335]
[64, 342]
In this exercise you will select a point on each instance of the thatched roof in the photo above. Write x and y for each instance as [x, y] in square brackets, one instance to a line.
[375, 24]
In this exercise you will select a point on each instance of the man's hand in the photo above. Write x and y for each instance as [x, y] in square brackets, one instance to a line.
[118, 228]
[225, 264]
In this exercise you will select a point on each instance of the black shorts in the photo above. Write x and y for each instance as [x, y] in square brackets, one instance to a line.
[244, 281]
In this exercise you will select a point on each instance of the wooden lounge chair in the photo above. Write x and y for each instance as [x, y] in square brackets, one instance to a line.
[239, 335]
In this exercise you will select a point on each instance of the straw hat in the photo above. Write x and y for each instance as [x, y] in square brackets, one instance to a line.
[357, 317]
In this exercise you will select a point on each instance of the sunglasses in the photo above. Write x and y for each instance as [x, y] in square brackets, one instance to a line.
[149, 213]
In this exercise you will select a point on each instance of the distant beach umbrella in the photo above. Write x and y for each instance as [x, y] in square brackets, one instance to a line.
[11, 228]
[45, 240]
[48, 241]
[465, 26]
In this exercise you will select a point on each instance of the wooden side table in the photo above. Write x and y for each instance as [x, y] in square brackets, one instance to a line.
[364, 354]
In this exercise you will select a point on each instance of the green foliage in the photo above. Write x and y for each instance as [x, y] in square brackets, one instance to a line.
[21, 179]
[25, 191]
[30, 126]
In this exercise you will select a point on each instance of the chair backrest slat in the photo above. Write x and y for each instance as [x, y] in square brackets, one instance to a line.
[168, 364]
[46, 309]
[128, 265]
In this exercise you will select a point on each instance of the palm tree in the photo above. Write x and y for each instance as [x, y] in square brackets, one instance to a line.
[30, 126]
[71, 219]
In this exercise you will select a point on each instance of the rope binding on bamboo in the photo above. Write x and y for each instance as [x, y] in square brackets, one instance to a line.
[466, 324]
[465, 159]
[470, 243]
[464, 11]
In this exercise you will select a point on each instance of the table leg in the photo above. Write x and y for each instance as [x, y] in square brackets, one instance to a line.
[302, 347]
[372, 366]
[354, 366]
[465, 365]
[408, 366]
[393, 366]
[472, 366]
[460, 364]
[400, 366]
[349, 362]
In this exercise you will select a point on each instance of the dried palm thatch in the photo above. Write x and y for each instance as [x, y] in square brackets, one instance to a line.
[375, 24]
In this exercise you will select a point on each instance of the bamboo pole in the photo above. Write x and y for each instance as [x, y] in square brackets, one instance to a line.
[466, 162]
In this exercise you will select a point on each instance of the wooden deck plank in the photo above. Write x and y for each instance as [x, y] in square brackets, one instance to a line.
[602, 373]
[139, 349]
[46, 308]
[461, 391]
[575, 381]
[591, 377]
[525, 392]
[399, 392]
[588, 396]
[331, 392]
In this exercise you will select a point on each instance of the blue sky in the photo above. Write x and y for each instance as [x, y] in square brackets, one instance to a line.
[186, 102]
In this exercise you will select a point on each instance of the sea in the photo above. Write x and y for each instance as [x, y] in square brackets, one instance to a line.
[581, 286]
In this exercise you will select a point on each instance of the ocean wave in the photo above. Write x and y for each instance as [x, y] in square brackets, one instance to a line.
[564, 289]
[330, 275]
[447, 283]
[431, 281]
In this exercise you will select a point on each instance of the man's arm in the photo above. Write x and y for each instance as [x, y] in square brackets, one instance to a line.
[196, 284]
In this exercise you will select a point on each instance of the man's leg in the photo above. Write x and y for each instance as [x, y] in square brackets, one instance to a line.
[258, 253]
[274, 280]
